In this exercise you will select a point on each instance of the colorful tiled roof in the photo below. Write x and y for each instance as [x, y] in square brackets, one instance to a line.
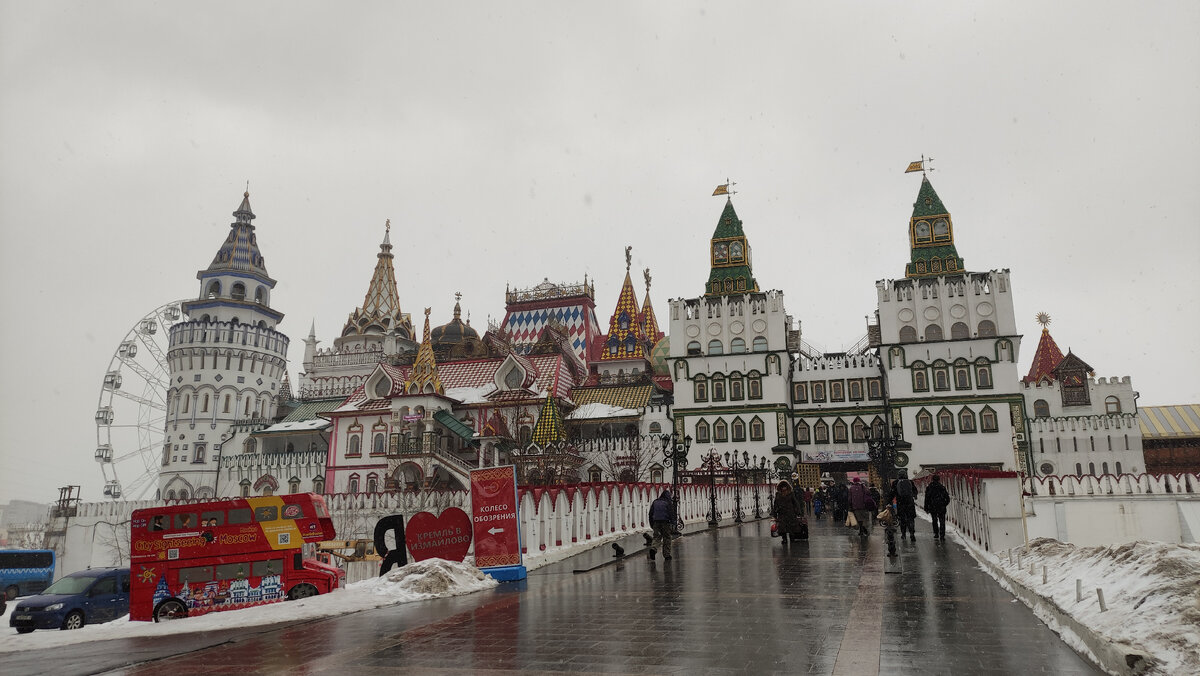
[1170, 422]
[1045, 359]
[625, 339]
[380, 311]
[571, 305]
[312, 409]
[625, 396]
[549, 427]
[729, 256]
[650, 330]
[239, 252]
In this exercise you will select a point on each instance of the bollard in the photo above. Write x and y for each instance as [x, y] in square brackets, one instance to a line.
[1043, 575]
[1010, 557]
[1031, 567]
[1100, 598]
[1078, 590]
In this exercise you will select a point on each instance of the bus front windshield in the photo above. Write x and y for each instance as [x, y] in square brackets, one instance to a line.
[70, 585]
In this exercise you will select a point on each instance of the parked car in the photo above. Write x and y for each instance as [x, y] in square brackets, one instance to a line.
[91, 596]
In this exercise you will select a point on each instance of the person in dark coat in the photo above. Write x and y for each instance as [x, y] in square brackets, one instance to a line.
[788, 514]
[862, 505]
[937, 498]
[878, 499]
[904, 492]
[662, 516]
[839, 497]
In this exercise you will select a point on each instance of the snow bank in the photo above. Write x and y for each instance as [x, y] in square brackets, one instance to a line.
[1151, 591]
[428, 579]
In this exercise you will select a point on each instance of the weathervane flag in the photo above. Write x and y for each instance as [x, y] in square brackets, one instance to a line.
[722, 189]
[919, 165]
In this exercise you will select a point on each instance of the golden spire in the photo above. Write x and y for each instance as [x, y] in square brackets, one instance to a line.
[424, 376]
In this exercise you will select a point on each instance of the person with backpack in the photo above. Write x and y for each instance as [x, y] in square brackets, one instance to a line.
[936, 501]
[905, 495]
[662, 519]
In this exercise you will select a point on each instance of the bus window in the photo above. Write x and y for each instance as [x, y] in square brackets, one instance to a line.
[293, 512]
[231, 571]
[158, 522]
[195, 574]
[212, 518]
[185, 520]
[266, 513]
[261, 568]
[240, 516]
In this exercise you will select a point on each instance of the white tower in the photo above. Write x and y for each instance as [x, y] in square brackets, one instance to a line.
[226, 361]
[949, 344]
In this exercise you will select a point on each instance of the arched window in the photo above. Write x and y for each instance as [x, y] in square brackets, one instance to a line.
[1118, 467]
[908, 334]
[319, 485]
[355, 446]
[655, 428]
[700, 387]
[737, 346]
[736, 391]
[818, 391]
[198, 456]
[701, 432]
[959, 330]
[693, 347]
[594, 474]
[945, 422]
[983, 375]
[987, 329]
[718, 389]
[353, 487]
[239, 291]
[858, 430]
[821, 432]
[245, 486]
[1091, 468]
[294, 485]
[715, 347]
[754, 385]
[372, 483]
[941, 377]
[739, 430]
[204, 404]
[225, 408]
[966, 420]
[259, 295]
[214, 290]
[802, 433]
[839, 432]
[1104, 468]
[1078, 469]
[250, 446]
[656, 474]
[924, 422]
[171, 495]
[378, 445]
[760, 344]
[1041, 409]
[962, 377]
[933, 332]
[920, 379]
[837, 390]
[1112, 405]
[856, 392]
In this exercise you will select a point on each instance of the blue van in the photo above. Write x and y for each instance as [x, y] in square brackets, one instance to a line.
[91, 596]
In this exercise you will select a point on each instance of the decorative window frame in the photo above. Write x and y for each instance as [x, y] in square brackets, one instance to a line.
[800, 393]
[966, 421]
[737, 387]
[821, 432]
[940, 376]
[758, 430]
[720, 431]
[854, 389]
[700, 388]
[818, 391]
[717, 388]
[754, 385]
[986, 415]
[837, 390]
[874, 389]
[943, 416]
[983, 375]
[924, 422]
[737, 430]
[803, 433]
[703, 434]
[841, 432]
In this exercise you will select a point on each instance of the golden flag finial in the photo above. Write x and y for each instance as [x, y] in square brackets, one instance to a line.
[725, 188]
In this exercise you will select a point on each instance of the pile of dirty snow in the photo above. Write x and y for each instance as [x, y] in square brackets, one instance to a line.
[1151, 591]
[428, 579]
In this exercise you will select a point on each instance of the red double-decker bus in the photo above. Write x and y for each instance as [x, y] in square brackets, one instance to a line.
[227, 554]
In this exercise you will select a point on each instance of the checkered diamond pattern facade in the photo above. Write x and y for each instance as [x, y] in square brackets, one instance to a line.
[524, 325]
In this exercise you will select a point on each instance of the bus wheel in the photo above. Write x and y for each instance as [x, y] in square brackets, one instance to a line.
[73, 620]
[10, 592]
[302, 591]
[169, 610]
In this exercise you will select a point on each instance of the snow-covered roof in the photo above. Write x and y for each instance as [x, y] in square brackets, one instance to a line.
[599, 410]
[471, 395]
[298, 426]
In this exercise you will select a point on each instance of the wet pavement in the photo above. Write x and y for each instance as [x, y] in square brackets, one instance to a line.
[732, 601]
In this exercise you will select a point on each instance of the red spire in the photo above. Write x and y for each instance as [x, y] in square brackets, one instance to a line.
[1044, 360]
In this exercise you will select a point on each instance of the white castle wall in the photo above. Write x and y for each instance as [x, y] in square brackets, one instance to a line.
[1085, 439]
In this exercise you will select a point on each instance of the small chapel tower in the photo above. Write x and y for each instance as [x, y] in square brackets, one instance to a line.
[227, 361]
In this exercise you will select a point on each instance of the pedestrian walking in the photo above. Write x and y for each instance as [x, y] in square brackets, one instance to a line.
[936, 501]
[788, 514]
[878, 501]
[808, 499]
[905, 495]
[819, 502]
[662, 516]
[839, 496]
[862, 505]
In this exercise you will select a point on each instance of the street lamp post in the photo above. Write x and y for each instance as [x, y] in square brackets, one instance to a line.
[756, 474]
[736, 465]
[675, 454]
[710, 462]
[882, 449]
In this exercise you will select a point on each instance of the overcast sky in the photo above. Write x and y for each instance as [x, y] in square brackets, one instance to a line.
[513, 141]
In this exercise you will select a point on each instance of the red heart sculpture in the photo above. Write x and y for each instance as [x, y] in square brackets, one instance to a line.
[442, 537]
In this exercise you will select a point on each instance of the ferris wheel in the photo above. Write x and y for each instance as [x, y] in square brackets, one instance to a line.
[132, 413]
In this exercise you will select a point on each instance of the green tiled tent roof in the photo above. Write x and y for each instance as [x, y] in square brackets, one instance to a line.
[934, 207]
[549, 427]
[312, 409]
[729, 225]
